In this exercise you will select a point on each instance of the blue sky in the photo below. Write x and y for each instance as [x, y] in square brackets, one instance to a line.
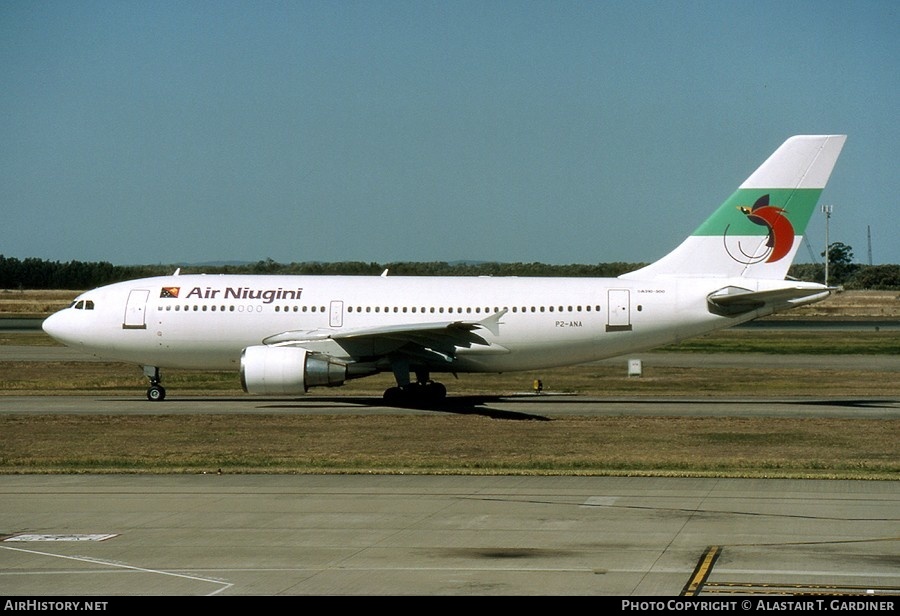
[560, 132]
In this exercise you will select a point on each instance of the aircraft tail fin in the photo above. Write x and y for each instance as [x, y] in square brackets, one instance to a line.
[757, 231]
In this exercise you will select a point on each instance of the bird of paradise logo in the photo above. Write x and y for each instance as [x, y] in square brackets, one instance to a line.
[780, 233]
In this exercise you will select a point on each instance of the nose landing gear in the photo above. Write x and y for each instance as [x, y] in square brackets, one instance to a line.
[156, 392]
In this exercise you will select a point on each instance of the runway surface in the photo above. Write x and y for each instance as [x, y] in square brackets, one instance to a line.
[432, 535]
[524, 406]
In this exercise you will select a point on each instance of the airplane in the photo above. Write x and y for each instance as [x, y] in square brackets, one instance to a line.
[286, 334]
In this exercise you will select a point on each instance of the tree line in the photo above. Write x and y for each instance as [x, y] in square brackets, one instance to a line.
[33, 273]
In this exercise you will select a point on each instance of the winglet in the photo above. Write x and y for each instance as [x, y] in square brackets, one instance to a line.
[492, 323]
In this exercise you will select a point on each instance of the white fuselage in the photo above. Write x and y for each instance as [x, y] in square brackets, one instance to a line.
[205, 321]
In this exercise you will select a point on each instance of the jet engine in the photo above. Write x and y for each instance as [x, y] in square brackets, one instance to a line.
[288, 370]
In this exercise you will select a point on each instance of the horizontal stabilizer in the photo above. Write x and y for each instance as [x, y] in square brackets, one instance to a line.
[732, 301]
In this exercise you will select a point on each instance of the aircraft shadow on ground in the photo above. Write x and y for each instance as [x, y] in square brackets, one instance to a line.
[479, 405]
[461, 405]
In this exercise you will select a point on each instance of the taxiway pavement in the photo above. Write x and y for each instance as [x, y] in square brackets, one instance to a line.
[437, 535]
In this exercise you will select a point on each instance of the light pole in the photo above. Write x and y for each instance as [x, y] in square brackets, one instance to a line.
[827, 209]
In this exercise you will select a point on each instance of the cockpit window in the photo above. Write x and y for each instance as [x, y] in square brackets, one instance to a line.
[83, 304]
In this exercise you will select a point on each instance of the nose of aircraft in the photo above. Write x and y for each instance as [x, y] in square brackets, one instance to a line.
[59, 327]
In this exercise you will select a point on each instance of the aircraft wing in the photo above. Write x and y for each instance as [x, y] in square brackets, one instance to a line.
[431, 341]
[731, 301]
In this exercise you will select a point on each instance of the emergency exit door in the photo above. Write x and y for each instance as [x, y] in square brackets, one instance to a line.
[336, 315]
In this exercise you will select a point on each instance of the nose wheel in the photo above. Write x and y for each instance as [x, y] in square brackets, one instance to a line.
[156, 392]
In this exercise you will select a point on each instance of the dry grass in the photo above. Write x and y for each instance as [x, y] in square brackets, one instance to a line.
[34, 304]
[851, 304]
[471, 444]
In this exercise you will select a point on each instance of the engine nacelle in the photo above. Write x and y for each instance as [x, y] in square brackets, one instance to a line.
[288, 370]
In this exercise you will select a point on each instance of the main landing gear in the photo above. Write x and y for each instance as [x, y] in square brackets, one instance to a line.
[423, 391]
[415, 393]
[156, 392]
